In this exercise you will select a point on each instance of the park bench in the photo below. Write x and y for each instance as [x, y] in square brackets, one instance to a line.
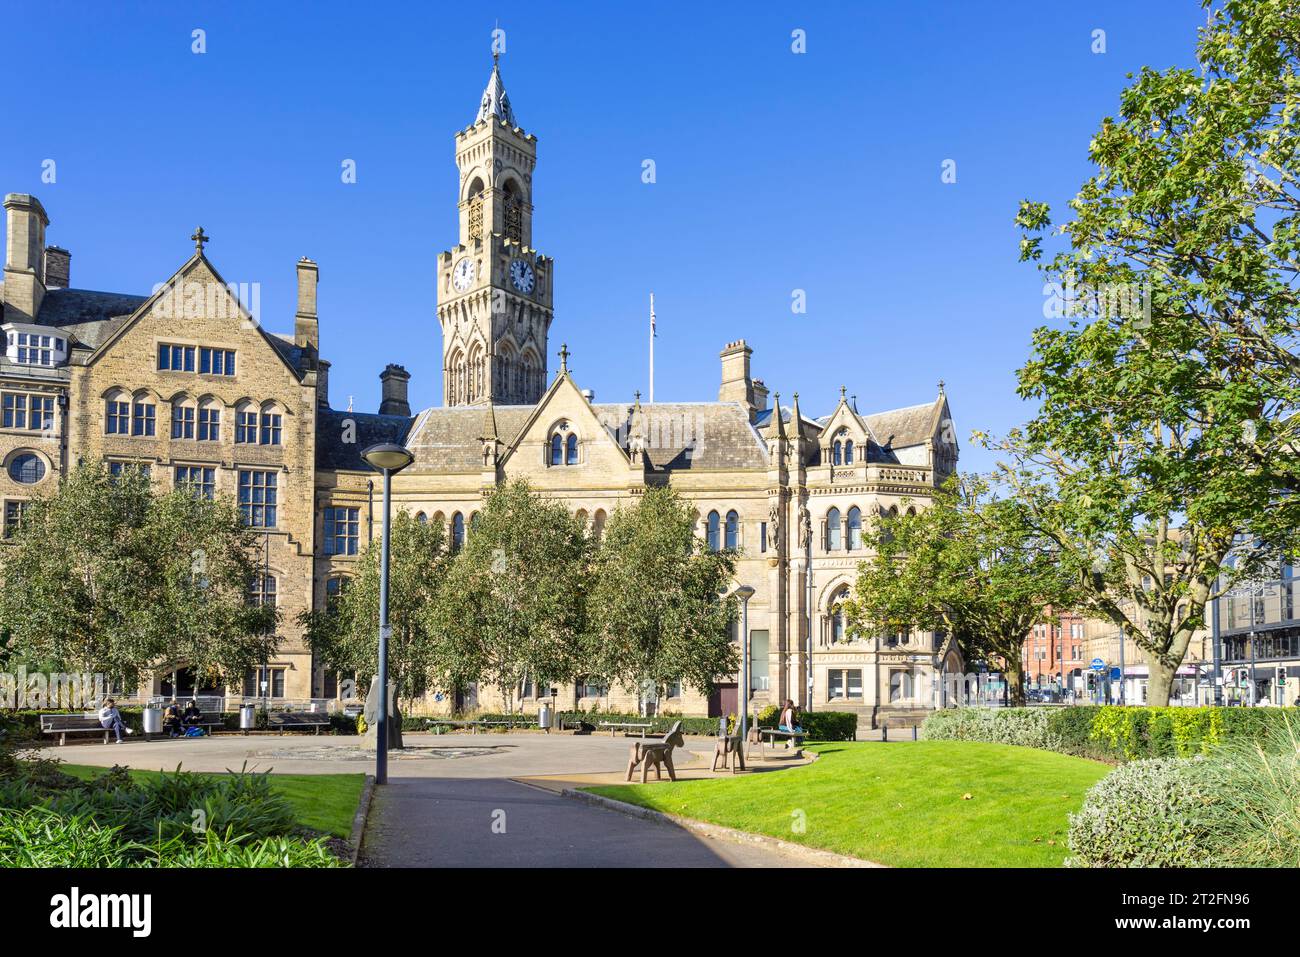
[627, 727]
[283, 721]
[647, 754]
[66, 724]
[769, 736]
[206, 720]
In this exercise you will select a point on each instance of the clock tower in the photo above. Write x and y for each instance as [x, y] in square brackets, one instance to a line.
[494, 288]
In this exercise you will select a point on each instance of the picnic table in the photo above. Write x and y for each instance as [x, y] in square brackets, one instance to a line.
[626, 727]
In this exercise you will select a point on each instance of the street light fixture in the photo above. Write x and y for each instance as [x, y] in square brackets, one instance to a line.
[744, 593]
[388, 459]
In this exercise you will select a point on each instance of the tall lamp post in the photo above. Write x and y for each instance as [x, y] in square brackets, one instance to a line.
[744, 593]
[388, 459]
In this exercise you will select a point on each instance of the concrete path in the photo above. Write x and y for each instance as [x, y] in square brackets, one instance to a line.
[455, 800]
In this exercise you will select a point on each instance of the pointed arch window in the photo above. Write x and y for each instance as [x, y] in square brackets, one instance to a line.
[571, 449]
[557, 449]
[833, 538]
[598, 524]
[837, 452]
[732, 539]
[848, 452]
[457, 530]
[837, 615]
[711, 532]
[855, 528]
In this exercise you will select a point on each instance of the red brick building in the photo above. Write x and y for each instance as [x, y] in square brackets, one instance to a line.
[1055, 641]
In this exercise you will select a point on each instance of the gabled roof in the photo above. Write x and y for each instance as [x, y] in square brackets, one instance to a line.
[449, 439]
[910, 426]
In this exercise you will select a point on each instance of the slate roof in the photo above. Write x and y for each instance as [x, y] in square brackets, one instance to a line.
[689, 435]
[86, 317]
[909, 426]
[369, 429]
[447, 439]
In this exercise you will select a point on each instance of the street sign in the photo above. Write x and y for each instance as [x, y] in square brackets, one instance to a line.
[1115, 675]
[1098, 664]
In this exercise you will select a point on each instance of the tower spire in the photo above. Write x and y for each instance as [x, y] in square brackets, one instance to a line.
[495, 102]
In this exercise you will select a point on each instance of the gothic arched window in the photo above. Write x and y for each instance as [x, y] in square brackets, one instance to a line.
[557, 449]
[837, 452]
[732, 539]
[571, 449]
[598, 524]
[833, 530]
[848, 452]
[457, 530]
[855, 528]
[711, 533]
[837, 615]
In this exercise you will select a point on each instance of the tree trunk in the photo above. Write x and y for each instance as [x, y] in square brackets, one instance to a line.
[1159, 684]
[1016, 678]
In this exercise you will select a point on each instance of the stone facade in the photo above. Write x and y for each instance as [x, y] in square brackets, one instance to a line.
[792, 494]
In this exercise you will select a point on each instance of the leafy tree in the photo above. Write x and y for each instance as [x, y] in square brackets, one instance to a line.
[514, 602]
[103, 575]
[1166, 437]
[970, 565]
[346, 632]
[655, 609]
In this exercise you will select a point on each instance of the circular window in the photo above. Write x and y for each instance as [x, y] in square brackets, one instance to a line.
[27, 468]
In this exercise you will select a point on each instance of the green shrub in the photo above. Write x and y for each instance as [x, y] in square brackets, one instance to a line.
[39, 837]
[1027, 727]
[1157, 812]
[341, 723]
[820, 725]
[1260, 781]
[1108, 732]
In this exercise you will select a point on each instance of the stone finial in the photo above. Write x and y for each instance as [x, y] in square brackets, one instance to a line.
[564, 357]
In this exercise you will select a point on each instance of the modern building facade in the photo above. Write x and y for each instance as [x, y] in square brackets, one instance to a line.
[186, 383]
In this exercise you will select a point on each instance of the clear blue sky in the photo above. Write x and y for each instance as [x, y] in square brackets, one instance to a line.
[775, 172]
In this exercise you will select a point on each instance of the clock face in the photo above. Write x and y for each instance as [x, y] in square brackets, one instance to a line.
[521, 274]
[463, 275]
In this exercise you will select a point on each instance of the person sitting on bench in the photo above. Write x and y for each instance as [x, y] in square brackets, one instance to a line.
[171, 721]
[789, 718]
[193, 717]
[110, 719]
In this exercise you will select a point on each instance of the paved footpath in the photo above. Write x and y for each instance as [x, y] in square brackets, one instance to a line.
[454, 801]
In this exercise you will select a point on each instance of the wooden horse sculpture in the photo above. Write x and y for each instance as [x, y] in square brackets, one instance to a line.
[648, 753]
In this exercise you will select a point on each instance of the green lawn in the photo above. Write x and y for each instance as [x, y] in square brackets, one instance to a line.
[900, 804]
[323, 802]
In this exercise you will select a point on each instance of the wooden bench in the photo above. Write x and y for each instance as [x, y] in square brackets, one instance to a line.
[283, 721]
[207, 720]
[627, 726]
[656, 753]
[66, 724]
[768, 736]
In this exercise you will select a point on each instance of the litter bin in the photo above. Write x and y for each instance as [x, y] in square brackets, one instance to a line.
[152, 720]
[247, 717]
[545, 718]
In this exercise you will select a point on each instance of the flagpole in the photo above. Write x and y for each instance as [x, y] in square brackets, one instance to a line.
[652, 347]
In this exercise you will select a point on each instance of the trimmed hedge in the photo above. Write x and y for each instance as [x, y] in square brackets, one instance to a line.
[1108, 732]
[820, 725]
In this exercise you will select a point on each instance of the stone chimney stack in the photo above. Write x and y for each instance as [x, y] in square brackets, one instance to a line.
[323, 383]
[394, 379]
[25, 223]
[58, 267]
[736, 384]
[760, 396]
[306, 328]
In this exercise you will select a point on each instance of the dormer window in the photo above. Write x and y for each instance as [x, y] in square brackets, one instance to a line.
[562, 448]
[33, 347]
